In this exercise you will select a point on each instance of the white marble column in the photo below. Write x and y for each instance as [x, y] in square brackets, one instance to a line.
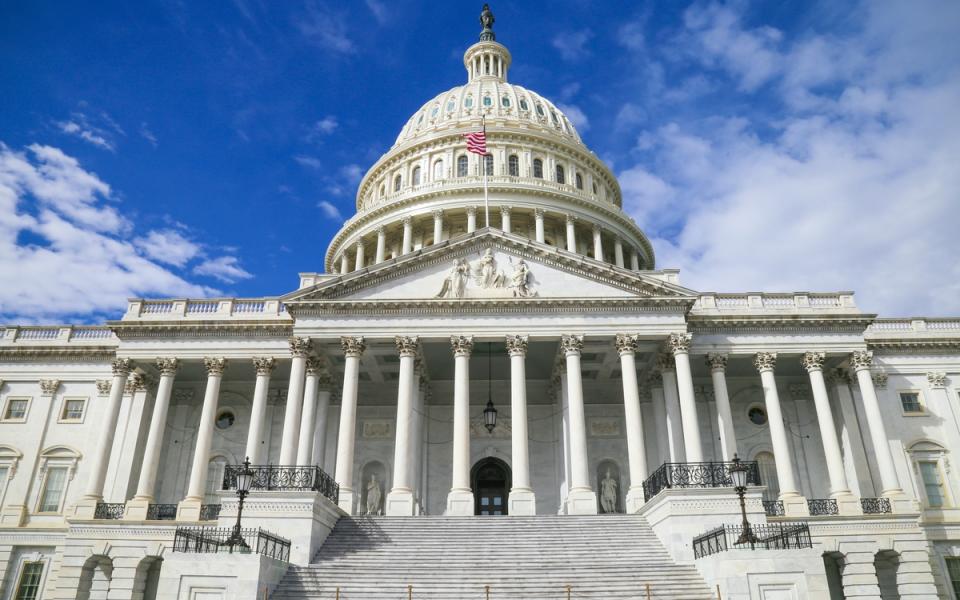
[839, 489]
[360, 258]
[505, 219]
[717, 363]
[680, 346]
[618, 252]
[662, 425]
[565, 438]
[416, 450]
[108, 428]
[597, 243]
[538, 215]
[581, 499]
[138, 506]
[256, 444]
[308, 417]
[635, 260]
[765, 363]
[861, 361]
[344, 262]
[407, 246]
[437, 226]
[324, 383]
[571, 233]
[189, 509]
[353, 348]
[671, 401]
[460, 499]
[299, 349]
[522, 499]
[381, 245]
[636, 451]
[471, 219]
[400, 500]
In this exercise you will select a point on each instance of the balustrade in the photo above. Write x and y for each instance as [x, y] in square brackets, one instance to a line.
[696, 475]
[274, 478]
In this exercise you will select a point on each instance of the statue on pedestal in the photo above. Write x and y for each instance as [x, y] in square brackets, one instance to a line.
[608, 493]
[374, 496]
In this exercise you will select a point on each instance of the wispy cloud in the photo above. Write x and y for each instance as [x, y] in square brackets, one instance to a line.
[573, 45]
[225, 268]
[380, 11]
[576, 116]
[330, 210]
[324, 126]
[87, 134]
[147, 134]
[311, 162]
[325, 28]
[168, 246]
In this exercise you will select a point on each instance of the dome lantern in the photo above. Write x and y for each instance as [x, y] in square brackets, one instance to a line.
[487, 59]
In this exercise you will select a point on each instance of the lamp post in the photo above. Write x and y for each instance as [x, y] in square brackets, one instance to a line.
[244, 481]
[738, 473]
[490, 412]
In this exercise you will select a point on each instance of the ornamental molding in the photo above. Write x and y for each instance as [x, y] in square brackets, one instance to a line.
[135, 382]
[765, 361]
[665, 362]
[799, 391]
[215, 365]
[909, 346]
[407, 346]
[85, 354]
[184, 395]
[937, 380]
[49, 387]
[264, 365]
[462, 345]
[299, 346]
[459, 307]
[880, 380]
[813, 361]
[517, 345]
[168, 366]
[202, 329]
[121, 366]
[779, 323]
[353, 346]
[861, 359]
[103, 387]
[571, 344]
[679, 343]
[314, 365]
[626, 343]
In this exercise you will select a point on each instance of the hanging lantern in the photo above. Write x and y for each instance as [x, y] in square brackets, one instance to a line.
[490, 416]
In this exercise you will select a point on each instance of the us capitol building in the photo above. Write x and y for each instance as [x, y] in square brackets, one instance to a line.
[463, 392]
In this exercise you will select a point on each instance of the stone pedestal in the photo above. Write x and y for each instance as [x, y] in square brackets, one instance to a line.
[235, 576]
[460, 503]
[346, 500]
[582, 502]
[903, 504]
[86, 508]
[137, 509]
[848, 505]
[795, 505]
[749, 574]
[634, 500]
[522, 502]
[13, 515]
[189, 510]
[400, 503]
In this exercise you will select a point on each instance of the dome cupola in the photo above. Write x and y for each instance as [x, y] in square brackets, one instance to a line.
[487, 59]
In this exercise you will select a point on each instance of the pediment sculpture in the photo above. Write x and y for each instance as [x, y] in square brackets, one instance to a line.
[484, 278]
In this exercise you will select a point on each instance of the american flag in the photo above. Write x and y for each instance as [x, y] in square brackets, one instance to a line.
[477, 142]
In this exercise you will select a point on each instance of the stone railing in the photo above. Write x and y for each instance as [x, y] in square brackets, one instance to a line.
[913, 328]
[696, 475]
[58, 334]
[205, 309]
[799, 302]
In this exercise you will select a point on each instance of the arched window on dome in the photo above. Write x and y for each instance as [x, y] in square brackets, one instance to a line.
[435, 111]
[488, 164]
[561, 174]
[451, 104]
[579, 180]
[416, 176]
[438, 170]
[523, 104]
[556, 121]
[468, 101]
[462, 165]
[540, 109]
[396, 183]
[513, 165]
[487, 101]
[505, 101]
[538, 168]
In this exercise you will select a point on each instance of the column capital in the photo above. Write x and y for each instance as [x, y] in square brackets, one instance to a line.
[462, 344]
[48, 387]
[472, 211]
[314, 365]
[437, 213]
[880, 380]
[813, 361]
[360, 243]
[517, 345]
[103, 387]
[406, 345]
[264, 364]
[937, 380]
[504, 209]
[381, 230]
[571, 218]
[717, 361]
[407, 221]
[215, 365]
[665, 362]
[597, 229]
[861, 359]
[680, 342]
[626, 343]
[539, 213]
[299, 347]
[353, 346]
[121, 366]
[571, 344]
[765, 361]
[135, 382]
[167, 366]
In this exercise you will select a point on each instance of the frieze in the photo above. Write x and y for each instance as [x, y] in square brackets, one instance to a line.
[604, 428]
[380, 429]
[491, 306]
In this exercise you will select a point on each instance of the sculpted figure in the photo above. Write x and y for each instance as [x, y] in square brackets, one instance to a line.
[374, 495]
[486, 273]
[456, 281]
[520, 281]
[608, 493]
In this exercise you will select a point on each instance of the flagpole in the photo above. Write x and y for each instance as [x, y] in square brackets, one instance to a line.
[483, 167]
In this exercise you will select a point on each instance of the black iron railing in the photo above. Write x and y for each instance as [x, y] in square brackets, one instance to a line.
[109, 510]
[216, 539]
[209, 512]
[161, 512]
[876, 506]
[696, 475]
[822, 506]
[779, 536]
[270, 477]
[773, 508]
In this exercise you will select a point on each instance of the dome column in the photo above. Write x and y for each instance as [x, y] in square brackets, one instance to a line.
[437, 225]
[538, 215]
[571, 233]
[505, 218]
[597, 243]
[407, 235]
[635, 261]
[360, 257]
[381, 245]
[471, 219]
[618, 252]
[344, 263]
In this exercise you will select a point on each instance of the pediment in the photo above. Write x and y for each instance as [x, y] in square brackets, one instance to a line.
[490, 265]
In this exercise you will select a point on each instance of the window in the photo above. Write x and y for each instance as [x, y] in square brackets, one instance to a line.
[16, 409]
[757, 415]
[28, 588]
[416, 176]
[462, 166]
[396, 183]
[538, 168]
[911, 403]
[523, 104]
[420, 120]
[513, 164]
[468, 101]
[488, 164]
[53, 486]
[451, 104]
[540, 109]
[438, 170]
[556, 121]
[487, 101]
[73, 409]
[932, 483]
[505, 101]
[953, 572]
[435, 111]
[226, 419]
[561, 175]
[579, 180]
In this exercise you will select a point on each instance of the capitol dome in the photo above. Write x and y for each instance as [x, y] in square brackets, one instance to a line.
[541, 182]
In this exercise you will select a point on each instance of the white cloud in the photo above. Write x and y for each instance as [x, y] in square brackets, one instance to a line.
[352, 173]
[311, 162]
[631, 36]
[380, 11]
[325, 29]
[168, 246]
[326, 125]
[148, 135]
[330, 210]
[573, 45]
[576, 116]
[225, 268]
[88, 135]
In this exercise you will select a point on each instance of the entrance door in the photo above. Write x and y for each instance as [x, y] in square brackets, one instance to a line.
[491, 485]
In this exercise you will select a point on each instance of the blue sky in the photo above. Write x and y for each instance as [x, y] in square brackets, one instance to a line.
[199, 148]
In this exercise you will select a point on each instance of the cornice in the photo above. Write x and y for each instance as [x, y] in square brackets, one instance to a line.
[779, 323]
[62, 353]
[201, 329]
[910, 346]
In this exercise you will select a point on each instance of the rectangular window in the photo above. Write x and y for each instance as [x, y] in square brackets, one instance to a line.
[53, 489]
[910, 401]
[73, 409]
[16, 409]
[932, 484]
[30, 577]
[953, 571]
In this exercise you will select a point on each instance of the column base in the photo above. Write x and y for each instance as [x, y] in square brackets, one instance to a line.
[14, 515]
[189, 509]
[635, 500]
[400, 503]
[522, 502]
[582, 501]
[137, 509]
[346, 500]
[460, 503]
[86, 508]
[848, 504]
[795, 505]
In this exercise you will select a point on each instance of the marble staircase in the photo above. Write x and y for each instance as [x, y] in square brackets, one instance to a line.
[521, 558]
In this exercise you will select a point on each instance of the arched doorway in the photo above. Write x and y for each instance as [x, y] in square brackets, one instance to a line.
[491, 481]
